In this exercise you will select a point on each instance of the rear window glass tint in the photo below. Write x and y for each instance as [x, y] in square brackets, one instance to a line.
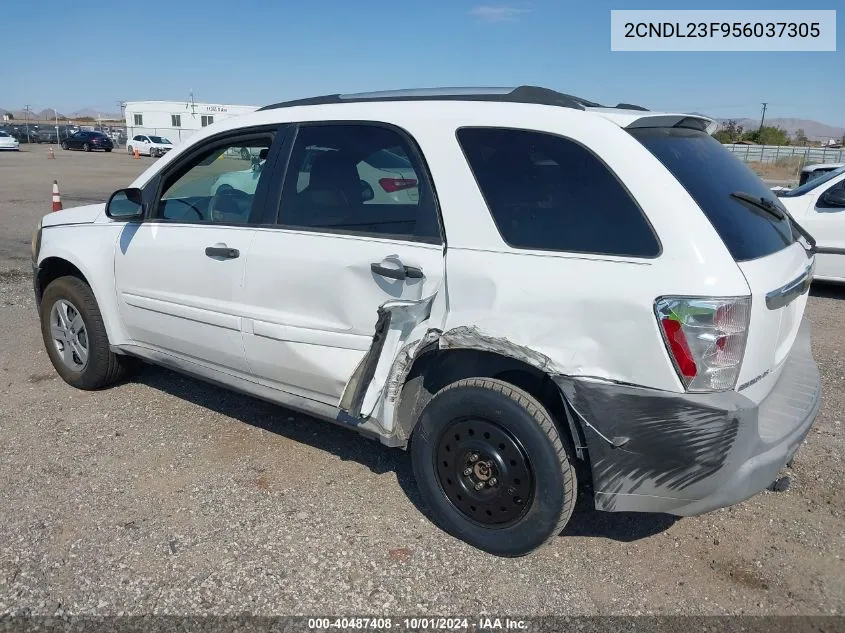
[711, 174]
[546, 192]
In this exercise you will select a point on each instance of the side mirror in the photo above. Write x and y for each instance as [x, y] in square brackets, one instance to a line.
[835, 198]
[367, 192]
[125, 204]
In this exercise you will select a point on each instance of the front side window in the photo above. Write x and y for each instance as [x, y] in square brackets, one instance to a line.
[217, 186]
[546, 192]
[358, 179]
[176, 120]
[139, 119]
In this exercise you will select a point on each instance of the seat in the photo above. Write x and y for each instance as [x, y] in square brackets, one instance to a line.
[333, 181]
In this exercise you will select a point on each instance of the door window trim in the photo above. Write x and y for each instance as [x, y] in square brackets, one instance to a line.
[415, 154]
[820, 200]
[259, 216]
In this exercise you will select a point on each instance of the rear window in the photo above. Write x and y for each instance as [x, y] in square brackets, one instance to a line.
[711, 174]
[547, 192]
[392, 158]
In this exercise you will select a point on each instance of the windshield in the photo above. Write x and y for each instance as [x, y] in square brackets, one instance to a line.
[712, 176]
[160, 139]
[813, 183]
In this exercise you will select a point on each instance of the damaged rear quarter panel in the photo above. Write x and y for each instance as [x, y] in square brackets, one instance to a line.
[570, 315]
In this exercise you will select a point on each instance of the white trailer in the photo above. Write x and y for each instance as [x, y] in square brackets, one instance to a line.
[176, 120]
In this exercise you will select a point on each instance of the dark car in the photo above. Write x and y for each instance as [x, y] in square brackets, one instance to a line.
[88, 141]
[24, 134]
[46, 135]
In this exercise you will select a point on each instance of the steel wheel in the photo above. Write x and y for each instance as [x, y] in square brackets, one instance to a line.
[484, 472]
[70, 335]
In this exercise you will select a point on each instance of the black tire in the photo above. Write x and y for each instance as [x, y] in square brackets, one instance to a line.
[153, 152]
[129, 149]
[494, 404]
[64, 144]
[108, 149]
[86, 147]
[103, 366]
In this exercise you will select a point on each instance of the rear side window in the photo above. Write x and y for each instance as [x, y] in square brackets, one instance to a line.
[711, 174]
[549, 193]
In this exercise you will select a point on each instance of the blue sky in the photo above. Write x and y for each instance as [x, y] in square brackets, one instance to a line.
[260, 51]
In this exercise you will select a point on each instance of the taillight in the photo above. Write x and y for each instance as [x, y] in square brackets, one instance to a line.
[705, 338]
[391, 185]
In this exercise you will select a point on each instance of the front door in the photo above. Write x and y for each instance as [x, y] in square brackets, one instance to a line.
[180, 273]
[351, 236]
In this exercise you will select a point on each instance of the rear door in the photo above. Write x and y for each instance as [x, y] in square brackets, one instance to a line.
[321, 284]
[757, 233]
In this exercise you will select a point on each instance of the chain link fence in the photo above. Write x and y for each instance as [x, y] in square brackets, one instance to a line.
[774, 153]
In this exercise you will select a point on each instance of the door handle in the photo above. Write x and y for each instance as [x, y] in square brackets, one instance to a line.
[224, 252]
[401, 273]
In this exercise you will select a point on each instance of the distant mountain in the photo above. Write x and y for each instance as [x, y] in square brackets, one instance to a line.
[91, 112]
[812, 129]
[49, 114]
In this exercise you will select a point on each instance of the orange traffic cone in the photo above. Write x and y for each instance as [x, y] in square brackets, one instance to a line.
[137, 154]
[57, 199]
[50, 154]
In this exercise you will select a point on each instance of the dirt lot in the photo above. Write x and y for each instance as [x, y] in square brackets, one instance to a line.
[170, 496]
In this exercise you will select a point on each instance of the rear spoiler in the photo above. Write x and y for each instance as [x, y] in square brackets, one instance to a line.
[638, 119]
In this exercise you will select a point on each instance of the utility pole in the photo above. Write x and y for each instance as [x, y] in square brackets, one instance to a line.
[763, 117]
[26, 120]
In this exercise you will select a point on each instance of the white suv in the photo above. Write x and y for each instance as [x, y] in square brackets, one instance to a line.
[578, 294]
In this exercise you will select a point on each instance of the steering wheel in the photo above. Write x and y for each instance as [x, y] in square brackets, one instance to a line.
[227, 200]
[187, 204]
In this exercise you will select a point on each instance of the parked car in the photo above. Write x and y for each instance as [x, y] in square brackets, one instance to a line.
[47, 135]
[8, 142]
[25, 134]
[811, 172]
[819, 206]
[578, 293]
[153, 146]
[87, 141]
[384, 176]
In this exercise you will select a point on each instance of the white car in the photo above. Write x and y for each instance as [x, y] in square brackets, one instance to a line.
[147, 145]
[819, 207]
[578, 291]
[8, 142]
[385, 176]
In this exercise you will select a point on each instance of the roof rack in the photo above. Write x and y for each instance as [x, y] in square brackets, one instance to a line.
[520, 94]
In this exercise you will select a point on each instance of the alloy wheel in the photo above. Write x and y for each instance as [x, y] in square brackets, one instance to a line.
[70, 335]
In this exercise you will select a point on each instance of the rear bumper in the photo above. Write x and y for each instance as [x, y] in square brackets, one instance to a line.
[685, 454]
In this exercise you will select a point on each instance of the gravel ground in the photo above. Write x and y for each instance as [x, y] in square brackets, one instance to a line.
[166, 495]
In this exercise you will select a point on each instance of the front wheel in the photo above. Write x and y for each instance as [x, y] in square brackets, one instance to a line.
[86, 147]
[64, 144]
[491, 465]
[75, 336]
[108, 149]
[153, 152]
